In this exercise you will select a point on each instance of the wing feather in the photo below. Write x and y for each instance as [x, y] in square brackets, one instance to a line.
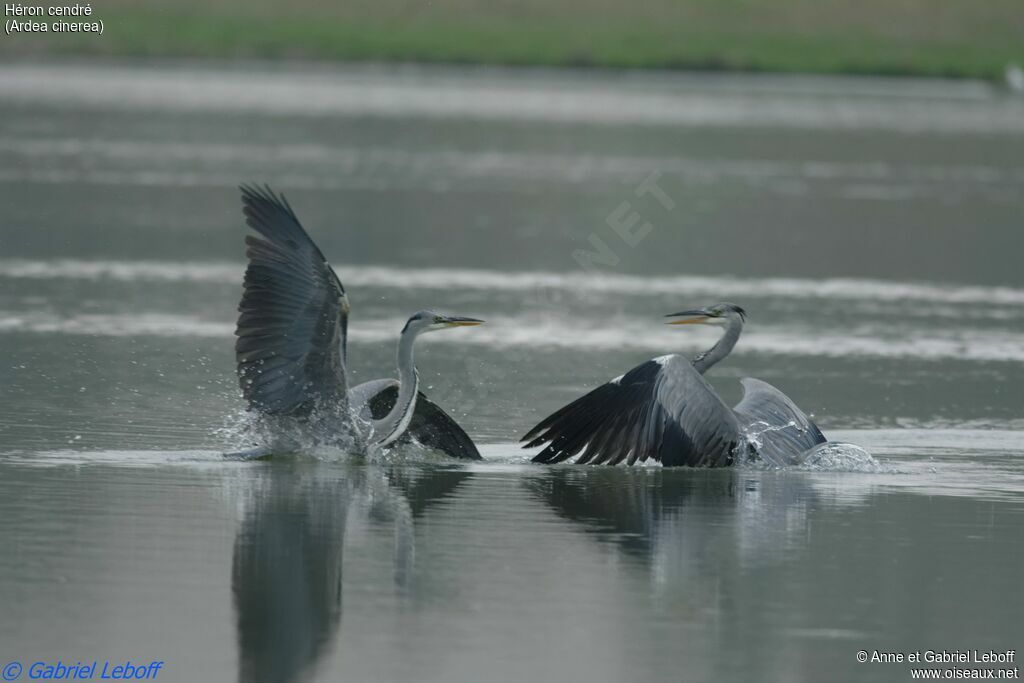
[430, 425]
[661, 409]
[292, 317]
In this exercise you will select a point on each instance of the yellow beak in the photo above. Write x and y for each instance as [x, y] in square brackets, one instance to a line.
[464, 322]
[694, 320]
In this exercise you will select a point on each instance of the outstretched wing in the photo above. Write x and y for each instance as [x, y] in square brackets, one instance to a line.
[293, 314]
[430, 426]
[661, 409]
[774, 422]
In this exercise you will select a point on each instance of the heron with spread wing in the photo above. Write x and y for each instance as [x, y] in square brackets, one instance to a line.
[291, 347]
[665, 410]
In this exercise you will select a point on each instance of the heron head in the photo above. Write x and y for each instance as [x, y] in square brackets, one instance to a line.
[716, 314]
[431, 321]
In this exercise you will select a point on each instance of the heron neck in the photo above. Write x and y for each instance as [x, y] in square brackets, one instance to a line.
[394, 424]
[703, 361]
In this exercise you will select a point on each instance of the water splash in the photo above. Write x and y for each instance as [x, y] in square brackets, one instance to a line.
[837, 456]
[243, 430]
[772, 452]
[752, 433]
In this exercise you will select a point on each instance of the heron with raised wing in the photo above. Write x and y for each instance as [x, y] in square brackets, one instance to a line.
[291, 349]
[665, 410]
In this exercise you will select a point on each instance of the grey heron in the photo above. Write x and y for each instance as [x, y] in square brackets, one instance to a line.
[664, 409]
[291, 349]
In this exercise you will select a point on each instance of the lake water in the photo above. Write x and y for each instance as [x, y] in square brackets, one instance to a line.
[872, 230]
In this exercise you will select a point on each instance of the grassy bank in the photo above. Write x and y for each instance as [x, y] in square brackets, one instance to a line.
[960, 38]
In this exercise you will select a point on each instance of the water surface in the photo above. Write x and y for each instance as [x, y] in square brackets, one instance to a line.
[870, 228]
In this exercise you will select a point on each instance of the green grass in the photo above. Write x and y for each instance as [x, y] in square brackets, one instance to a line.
[958, 38]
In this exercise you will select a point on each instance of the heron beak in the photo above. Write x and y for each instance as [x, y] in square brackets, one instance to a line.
[455, 321]
[694, 317]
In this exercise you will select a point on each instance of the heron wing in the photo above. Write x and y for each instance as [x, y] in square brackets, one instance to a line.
[430, 425]
[662, 409]
[293, 314]
[360, 398]
[776, 423]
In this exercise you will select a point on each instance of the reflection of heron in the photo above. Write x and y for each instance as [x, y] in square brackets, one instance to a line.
[291, 347]
[286, 577]
[287, 571]
[674, 522]
[703, 560]
[665, 409]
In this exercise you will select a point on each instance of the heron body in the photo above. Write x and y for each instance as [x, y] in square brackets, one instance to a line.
[292, 353]
[665, 410]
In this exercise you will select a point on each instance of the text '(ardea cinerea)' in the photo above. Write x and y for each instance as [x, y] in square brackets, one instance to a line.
[665, 410]
[291, 348]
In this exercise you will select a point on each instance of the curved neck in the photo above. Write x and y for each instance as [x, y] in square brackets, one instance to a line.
[394, 424]
[702, 362]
